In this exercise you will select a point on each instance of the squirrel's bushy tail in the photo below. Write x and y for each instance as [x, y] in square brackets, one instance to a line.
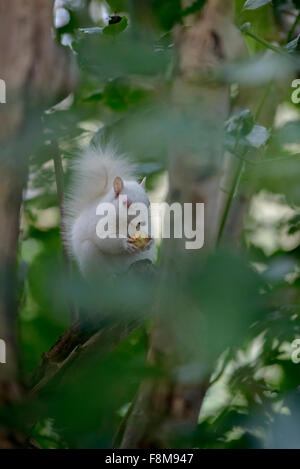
[93, 175]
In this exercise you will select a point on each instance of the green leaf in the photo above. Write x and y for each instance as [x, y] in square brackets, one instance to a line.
[116, 28]
[289, 132]
[116, 95]
[94, 30]
[258, 136]
[119, 94]
[194, 7]
[117, 5]
[240, 123]
[106, 56]
[253, 4]
[240, 129]
[260, 69]
[167, 12]
[279, 177]
[237, 292]
[296, 4]
[294, 45]
[96, 95]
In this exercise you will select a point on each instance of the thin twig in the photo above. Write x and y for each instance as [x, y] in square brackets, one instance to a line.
[263, 42]
[239, 169]
[59, 177]
[293, 28]
[232, 192]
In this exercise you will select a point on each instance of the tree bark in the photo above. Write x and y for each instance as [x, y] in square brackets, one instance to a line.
[167, 406]
[36, 72]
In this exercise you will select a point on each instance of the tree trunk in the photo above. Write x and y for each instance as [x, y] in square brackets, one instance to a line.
[36, 73]
[170, 405]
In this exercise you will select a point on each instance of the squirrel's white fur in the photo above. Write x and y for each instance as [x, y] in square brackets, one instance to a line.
[93, 182]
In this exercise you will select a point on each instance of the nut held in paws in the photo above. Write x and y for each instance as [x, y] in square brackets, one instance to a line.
[140, 239]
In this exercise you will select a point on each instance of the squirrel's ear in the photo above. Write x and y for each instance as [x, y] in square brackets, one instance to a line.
[143, 183]
[118, 185]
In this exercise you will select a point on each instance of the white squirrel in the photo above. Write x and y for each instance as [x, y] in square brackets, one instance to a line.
[100, 175]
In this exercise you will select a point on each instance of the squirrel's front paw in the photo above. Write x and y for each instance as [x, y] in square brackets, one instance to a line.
[148, 245]
[129, 246]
